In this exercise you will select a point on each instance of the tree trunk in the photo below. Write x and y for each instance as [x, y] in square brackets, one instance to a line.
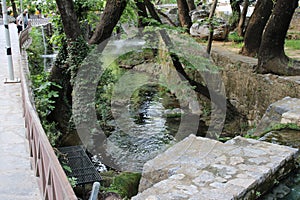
[60, 72]
[142, 13]
[236, 13]
[69, 19]
[110, 17]
[241, 26]
[211, 26]
[184, 17]
[14, 8]
[191, 4]
[152, 11]
[271, 57]
[256, 26]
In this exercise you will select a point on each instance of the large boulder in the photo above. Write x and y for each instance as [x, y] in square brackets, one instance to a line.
[284, 111]
[201, 29]
[198, 15]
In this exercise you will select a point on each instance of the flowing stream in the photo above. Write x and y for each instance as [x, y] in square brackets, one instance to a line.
[148, 131]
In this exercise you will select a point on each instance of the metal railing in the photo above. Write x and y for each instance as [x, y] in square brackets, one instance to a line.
[24, 37]
[53, 182]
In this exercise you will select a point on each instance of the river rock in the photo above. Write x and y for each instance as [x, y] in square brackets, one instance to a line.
[286, 110]
[199, 14]
[201, 168]
[201, 29]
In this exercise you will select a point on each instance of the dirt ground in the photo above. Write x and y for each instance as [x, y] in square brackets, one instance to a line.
[295, 54]
[294, 30]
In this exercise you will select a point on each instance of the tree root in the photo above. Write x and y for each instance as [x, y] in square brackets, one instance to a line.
[280, 66]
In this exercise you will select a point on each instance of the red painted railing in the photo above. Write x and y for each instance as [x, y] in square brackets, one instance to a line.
[53, 181]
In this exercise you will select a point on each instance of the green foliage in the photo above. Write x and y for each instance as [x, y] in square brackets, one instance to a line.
[233, 36]
[290, 126]
[43, 93]
[224, 139]
[77, 51]
[58, 37]
[250, 136]
[44, 97]
[279, 126]
[43, 90]
[104, 92]
[130, 13]
[34, 50]
[257, 194]
[72, 181]
[65, 165]
[292, 44]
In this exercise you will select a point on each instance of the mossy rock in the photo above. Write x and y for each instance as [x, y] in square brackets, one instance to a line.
[125, 184]
[107, 178]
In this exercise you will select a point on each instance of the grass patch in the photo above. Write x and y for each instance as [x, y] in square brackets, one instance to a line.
[292, 44]
[279, 127]
[234, 37]
[238, 45]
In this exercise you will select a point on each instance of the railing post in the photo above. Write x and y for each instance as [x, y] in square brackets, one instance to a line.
[95, 191]
[8, 46]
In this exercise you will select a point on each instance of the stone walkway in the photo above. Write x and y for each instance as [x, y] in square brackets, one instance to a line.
[17, 180]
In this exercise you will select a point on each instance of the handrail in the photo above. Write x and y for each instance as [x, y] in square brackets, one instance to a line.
[53, 181]
[24, 36]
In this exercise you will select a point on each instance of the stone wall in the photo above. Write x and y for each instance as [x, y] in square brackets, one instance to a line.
[249, 92]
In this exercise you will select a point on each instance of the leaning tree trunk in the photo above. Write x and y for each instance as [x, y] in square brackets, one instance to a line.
[256, 26]
[14, 8]
[241, 25]
[211, 26]
[271, 56]
[111, 15]
[184, 17]
[60, 72]
[142, 13]
[236, 13]
[69, 19]
[191, 4]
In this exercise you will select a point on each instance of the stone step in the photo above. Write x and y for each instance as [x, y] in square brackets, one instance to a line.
[201, 168]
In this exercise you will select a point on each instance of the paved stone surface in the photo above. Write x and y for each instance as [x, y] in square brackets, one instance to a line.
[17, 180]
[201, 168]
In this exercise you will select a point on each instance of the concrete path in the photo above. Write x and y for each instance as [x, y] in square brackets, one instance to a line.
[17, 180]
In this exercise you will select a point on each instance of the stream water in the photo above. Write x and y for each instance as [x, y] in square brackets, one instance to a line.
[289, 188]
[149, 129]
[152, 132]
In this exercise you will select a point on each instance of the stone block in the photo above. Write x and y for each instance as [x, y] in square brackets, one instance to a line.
[201, 168]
